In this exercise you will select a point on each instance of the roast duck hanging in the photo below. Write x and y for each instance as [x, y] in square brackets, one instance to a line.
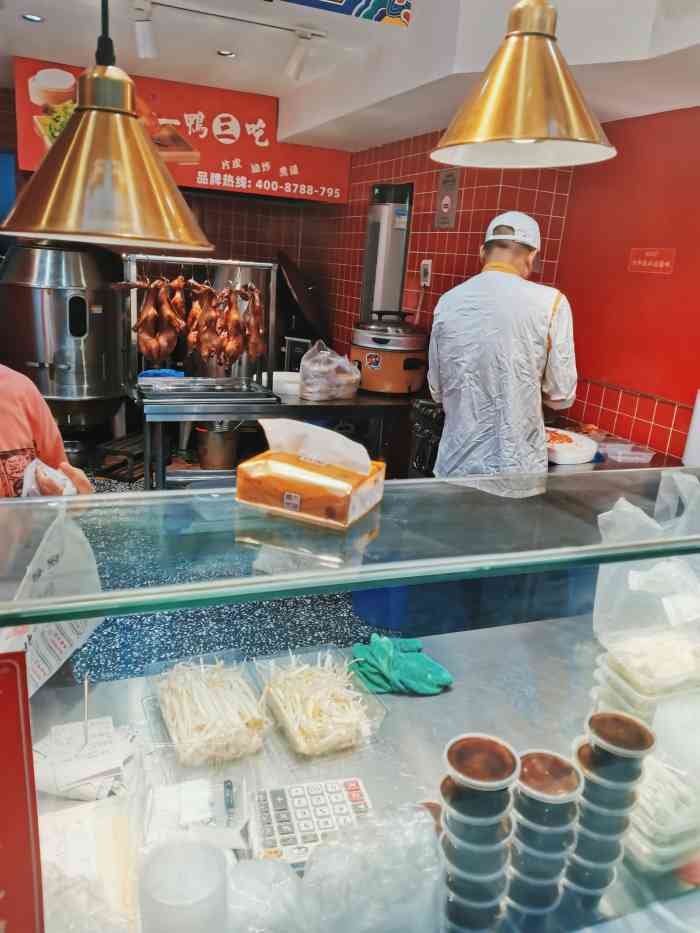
[219, 325]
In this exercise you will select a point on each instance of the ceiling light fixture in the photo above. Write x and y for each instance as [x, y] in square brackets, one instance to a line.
[142, 17]
[226, 53]
[294, 69]
[103, 181]
[526, 95]
[32, 18]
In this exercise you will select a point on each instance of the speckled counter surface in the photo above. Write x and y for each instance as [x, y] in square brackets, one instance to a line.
[123, 647]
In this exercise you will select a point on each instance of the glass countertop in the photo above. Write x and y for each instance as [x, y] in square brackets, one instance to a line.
[141, 552]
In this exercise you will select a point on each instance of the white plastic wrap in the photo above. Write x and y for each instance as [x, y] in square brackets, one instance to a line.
[385, 875]
[267, 897]
[30, 485]
[325, 375]
[647, 613]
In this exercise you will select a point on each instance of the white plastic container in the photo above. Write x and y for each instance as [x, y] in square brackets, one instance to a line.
[659, 860]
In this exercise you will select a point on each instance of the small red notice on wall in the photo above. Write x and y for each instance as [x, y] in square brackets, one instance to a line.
[653, 261]
[208, 137]
[21, 898]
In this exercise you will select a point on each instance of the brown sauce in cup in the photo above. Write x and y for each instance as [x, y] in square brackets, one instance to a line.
[481, 759]
[622, 732]
[548, 774]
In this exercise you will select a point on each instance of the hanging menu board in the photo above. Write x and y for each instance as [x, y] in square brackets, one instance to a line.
[387, 12]
[209, 137]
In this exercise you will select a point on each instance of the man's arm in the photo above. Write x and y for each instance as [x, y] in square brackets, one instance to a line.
[560, 376]
[47, 437]
[434, 383]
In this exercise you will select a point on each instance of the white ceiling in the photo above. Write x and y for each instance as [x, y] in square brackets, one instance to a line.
[366, 84]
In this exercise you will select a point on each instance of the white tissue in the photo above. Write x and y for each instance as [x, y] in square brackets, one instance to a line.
[30, 486]
[318, 445]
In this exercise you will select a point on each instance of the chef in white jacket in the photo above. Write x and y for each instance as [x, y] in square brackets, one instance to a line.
[501, 346]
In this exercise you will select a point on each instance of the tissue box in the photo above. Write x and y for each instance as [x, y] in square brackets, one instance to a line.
[323, 494]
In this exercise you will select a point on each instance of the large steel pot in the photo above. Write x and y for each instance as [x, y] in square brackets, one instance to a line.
[63, 326]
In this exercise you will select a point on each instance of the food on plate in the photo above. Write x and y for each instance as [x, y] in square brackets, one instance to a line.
[557, 437]
[211, 712]
[52, 123]
[51, 87]
[318, 705]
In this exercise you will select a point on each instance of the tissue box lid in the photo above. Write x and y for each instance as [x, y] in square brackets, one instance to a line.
[301, 488]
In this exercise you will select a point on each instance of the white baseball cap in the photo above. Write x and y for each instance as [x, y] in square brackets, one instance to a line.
[527, 230]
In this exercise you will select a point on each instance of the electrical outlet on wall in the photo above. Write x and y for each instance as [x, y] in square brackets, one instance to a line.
[426, 273]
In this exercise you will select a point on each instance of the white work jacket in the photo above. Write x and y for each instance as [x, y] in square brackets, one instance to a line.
[500, 346]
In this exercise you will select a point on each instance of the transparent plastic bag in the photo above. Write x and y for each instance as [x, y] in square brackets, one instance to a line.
[30, 486]
[325, 375]
[647, 613]
[266, 897]
[385, 874]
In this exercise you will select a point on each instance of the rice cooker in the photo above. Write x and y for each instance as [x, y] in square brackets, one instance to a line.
[390, 354]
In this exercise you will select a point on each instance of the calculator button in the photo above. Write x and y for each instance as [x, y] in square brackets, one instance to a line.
[279, 799]
[325, 823]
[300, 802]
[318, 800]
[333, 787]
[344, 821]
[337, 798]
[303, 814]
[287, 841]
[262, 797]
[356, 796]
[297, 791]
[269, 839]
[327, 837]
[315, 788]
[283, 816]
[285, 829]
[306, 826]
[322, 811]
[309, 838]
[341, 808]
[352, 785]
[266, 819]
[360, 807]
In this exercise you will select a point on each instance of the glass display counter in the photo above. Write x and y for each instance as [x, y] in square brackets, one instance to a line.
[532, 685]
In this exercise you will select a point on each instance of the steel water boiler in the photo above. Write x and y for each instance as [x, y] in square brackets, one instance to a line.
[63, 326]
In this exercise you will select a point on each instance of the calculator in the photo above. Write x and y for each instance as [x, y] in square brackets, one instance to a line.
[288, 822]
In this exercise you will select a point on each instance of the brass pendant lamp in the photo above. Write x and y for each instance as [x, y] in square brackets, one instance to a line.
[103, 181]
[527, 110]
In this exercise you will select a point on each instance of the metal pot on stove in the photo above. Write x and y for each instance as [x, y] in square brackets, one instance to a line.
[391, 355]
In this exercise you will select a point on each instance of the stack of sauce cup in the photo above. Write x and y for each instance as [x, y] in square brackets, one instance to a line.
[546, 815]
[478, 827]
[611, 757]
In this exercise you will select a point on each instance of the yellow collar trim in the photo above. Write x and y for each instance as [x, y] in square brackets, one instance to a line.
[500, 267]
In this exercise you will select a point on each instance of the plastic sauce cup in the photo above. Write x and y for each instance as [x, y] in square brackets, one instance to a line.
[549, 778]
[466, 915]
[533, 895]
[522, 912]
[474, 860]
[477, 807]
[489, 835]
[559, 814]
[553, 840]
[477, 889]
[619, 744]
[588, 875]
[597, 848]
[586, 899]
[541, 866]
[603, 821]
[482, 762]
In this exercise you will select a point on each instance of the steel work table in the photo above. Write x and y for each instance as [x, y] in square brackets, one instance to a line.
[528, 684]
[376, 409]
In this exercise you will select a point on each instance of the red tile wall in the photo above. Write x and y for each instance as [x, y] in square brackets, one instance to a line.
[333, 245]
[634, 329]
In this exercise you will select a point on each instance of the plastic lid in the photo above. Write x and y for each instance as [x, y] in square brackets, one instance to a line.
[528, 850]
[589, 892]
[583, 753]
[448, 785]
[534, 911]
[482, 761]
[620, 734]
[473, 847]
[596, 866]
[535, 882]
[603, 837]
[549, 778]
[607, 811]
[546, 830]
[455, 872]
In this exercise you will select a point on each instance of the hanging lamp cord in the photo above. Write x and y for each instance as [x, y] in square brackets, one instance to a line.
[105, 46]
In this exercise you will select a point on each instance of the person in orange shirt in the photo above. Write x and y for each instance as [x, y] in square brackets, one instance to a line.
[28, 432]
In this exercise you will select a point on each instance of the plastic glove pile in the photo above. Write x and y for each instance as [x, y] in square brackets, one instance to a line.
[398, 665]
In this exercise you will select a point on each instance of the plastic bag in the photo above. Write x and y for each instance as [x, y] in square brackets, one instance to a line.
[30, 486]
[325, 375]
[266, 897]
[647, 613]
[385, 874]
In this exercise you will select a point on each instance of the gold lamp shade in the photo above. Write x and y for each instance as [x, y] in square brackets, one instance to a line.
[103, 180]
[527, 110]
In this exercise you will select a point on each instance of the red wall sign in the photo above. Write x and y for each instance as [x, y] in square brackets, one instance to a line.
[209, 137]
[21, 904]
[653, 261]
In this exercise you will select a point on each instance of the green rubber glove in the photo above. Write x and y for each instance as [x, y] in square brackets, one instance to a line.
[398, 665]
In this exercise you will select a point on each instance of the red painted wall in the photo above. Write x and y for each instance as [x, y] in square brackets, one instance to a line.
[634, 329]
